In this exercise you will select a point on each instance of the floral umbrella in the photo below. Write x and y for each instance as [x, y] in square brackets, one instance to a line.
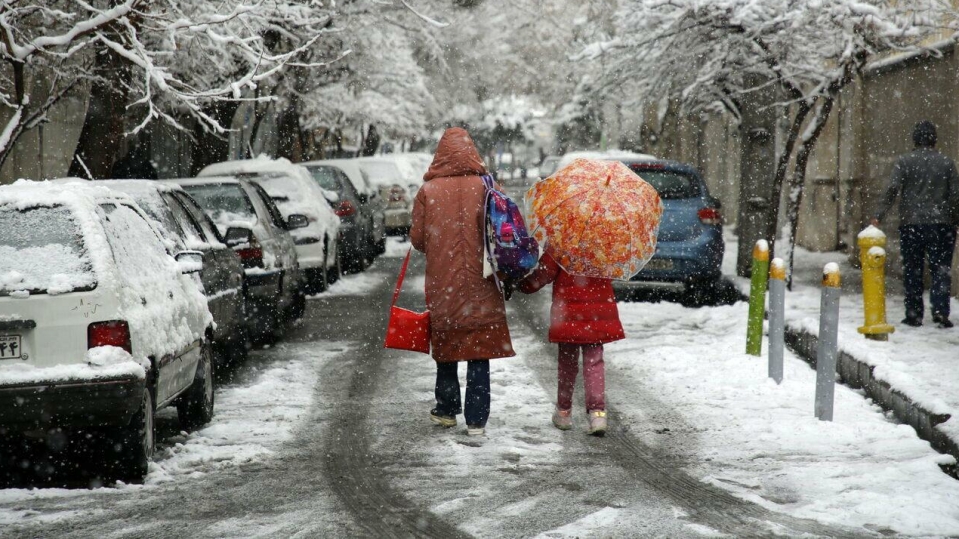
[599, 218]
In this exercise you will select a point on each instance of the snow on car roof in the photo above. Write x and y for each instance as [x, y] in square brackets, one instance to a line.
[257, 165]
[206, 180]
[350, 167]
[607, 155]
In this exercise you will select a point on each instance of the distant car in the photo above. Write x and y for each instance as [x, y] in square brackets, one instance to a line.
[251, 224]
[371, 203]
[182, 222]
[100, 325]
[690, 247]
[355, 244]
[295, 192]
[396, 189]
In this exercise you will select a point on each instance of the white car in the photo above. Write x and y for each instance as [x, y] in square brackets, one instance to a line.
[397, 190]
[100, 325]
[296, 193]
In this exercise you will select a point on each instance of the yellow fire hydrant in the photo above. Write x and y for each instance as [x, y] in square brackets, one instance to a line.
[872, 256]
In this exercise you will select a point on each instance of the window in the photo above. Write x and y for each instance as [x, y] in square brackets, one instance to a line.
[327, 178]
[222, 199]
[206, 224]
[669, 184]
[41, 251]
[271, 208]
[191, 230]
[142, 262]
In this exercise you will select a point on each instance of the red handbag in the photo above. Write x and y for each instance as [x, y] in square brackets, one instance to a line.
[407, 330]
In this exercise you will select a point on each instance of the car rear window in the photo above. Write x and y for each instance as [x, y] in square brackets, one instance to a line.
[41, 252]
[222, 201]
[326, 177]
[669, 184]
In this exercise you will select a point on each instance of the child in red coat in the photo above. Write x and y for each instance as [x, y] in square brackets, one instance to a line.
[583, 317]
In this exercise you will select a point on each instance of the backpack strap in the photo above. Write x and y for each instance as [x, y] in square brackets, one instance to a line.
[399, 280]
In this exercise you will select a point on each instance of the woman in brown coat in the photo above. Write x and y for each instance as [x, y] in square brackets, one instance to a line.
[467, 312]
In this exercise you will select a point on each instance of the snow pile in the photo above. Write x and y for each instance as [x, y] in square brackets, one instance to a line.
[760, 440]
[396, 247]
[102, 365]
[358, 284]
[252, 421]
[871, 232]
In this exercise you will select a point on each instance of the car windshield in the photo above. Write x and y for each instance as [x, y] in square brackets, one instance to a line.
[223, 201]
[41, 251]
[669, 184]
[326, 177]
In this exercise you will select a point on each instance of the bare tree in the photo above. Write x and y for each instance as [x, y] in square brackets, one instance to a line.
[707, 55]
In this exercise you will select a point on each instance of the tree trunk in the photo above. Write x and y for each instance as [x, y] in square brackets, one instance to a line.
[798, 181]
[291, 144]
[103, 128]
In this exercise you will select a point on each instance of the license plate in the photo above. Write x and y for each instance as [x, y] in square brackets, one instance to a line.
[10, 347]
[659, 264]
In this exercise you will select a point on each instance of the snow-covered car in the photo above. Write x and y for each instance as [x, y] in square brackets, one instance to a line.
[100, 324]
[182, 222]
[396, 189]
[295, 192]
[251, 224]
[549, 165]
[371, 203]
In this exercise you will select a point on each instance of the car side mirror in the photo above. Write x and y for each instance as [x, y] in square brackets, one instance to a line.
[331, 197]
[364, 198]
[297, 220]
[189, 261]
[236, 236]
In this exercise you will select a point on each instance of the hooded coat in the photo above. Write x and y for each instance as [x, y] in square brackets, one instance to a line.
[467, 311]
[584, 308]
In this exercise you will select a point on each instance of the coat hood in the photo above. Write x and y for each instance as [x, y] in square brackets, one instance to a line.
[456, 155]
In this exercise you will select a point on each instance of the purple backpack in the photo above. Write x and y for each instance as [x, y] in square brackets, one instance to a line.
[510, 249]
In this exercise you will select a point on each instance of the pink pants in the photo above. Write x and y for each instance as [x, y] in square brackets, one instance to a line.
[594, 375]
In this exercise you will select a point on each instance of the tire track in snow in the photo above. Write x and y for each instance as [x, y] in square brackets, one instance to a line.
[661, 471]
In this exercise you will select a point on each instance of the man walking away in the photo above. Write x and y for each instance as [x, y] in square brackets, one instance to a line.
[929, 186]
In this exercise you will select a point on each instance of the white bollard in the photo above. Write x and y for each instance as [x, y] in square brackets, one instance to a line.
[777, 318]
[828, 342]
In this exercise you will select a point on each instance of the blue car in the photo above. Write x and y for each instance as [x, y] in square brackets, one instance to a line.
[690, 247]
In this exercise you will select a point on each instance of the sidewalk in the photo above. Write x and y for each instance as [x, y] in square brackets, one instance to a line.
[915, 374]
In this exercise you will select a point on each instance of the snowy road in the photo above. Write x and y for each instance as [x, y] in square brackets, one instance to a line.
[327, 436]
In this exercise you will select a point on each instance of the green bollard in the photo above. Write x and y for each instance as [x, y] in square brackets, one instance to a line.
[757, 299]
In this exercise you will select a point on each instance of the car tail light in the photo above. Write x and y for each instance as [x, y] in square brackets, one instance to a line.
[710, 216]
[111, 333]
[345, 209]
[251, 255]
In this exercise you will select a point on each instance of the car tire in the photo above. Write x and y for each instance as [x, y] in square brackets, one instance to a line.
[334, 272]
[136, 442]
[195, 407]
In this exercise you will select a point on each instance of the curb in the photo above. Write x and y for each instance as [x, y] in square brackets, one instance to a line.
[858, 375]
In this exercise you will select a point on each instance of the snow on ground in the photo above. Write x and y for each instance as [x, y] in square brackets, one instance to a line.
[357, 284]
[252, 421]
[761, 441]
[396, 247]
[253, 418]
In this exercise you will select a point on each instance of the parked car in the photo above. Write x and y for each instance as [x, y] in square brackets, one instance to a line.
[100, 324]
[295, 192]
[549, 165]
[396, 190]
[251, 224]
[182, 222]
[371, 203]
[690, 246]
[354, 243]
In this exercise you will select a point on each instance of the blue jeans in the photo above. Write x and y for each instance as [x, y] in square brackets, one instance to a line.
[936, 242]
[477, 391]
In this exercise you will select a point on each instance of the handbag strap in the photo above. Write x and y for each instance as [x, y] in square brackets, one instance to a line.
[399, 281]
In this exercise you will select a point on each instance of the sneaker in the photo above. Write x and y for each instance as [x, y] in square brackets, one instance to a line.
[475, 430]
[442, 420]
[562, 419]
[942, 321]
[597, 422]
[910, 321]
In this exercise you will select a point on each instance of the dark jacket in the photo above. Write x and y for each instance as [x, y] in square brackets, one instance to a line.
[467, 312]
[584, 308]
[929, 186]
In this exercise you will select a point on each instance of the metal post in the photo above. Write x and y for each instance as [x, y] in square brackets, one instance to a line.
[872, 255]
[777, 313]
[757, 298]
[828, 342]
